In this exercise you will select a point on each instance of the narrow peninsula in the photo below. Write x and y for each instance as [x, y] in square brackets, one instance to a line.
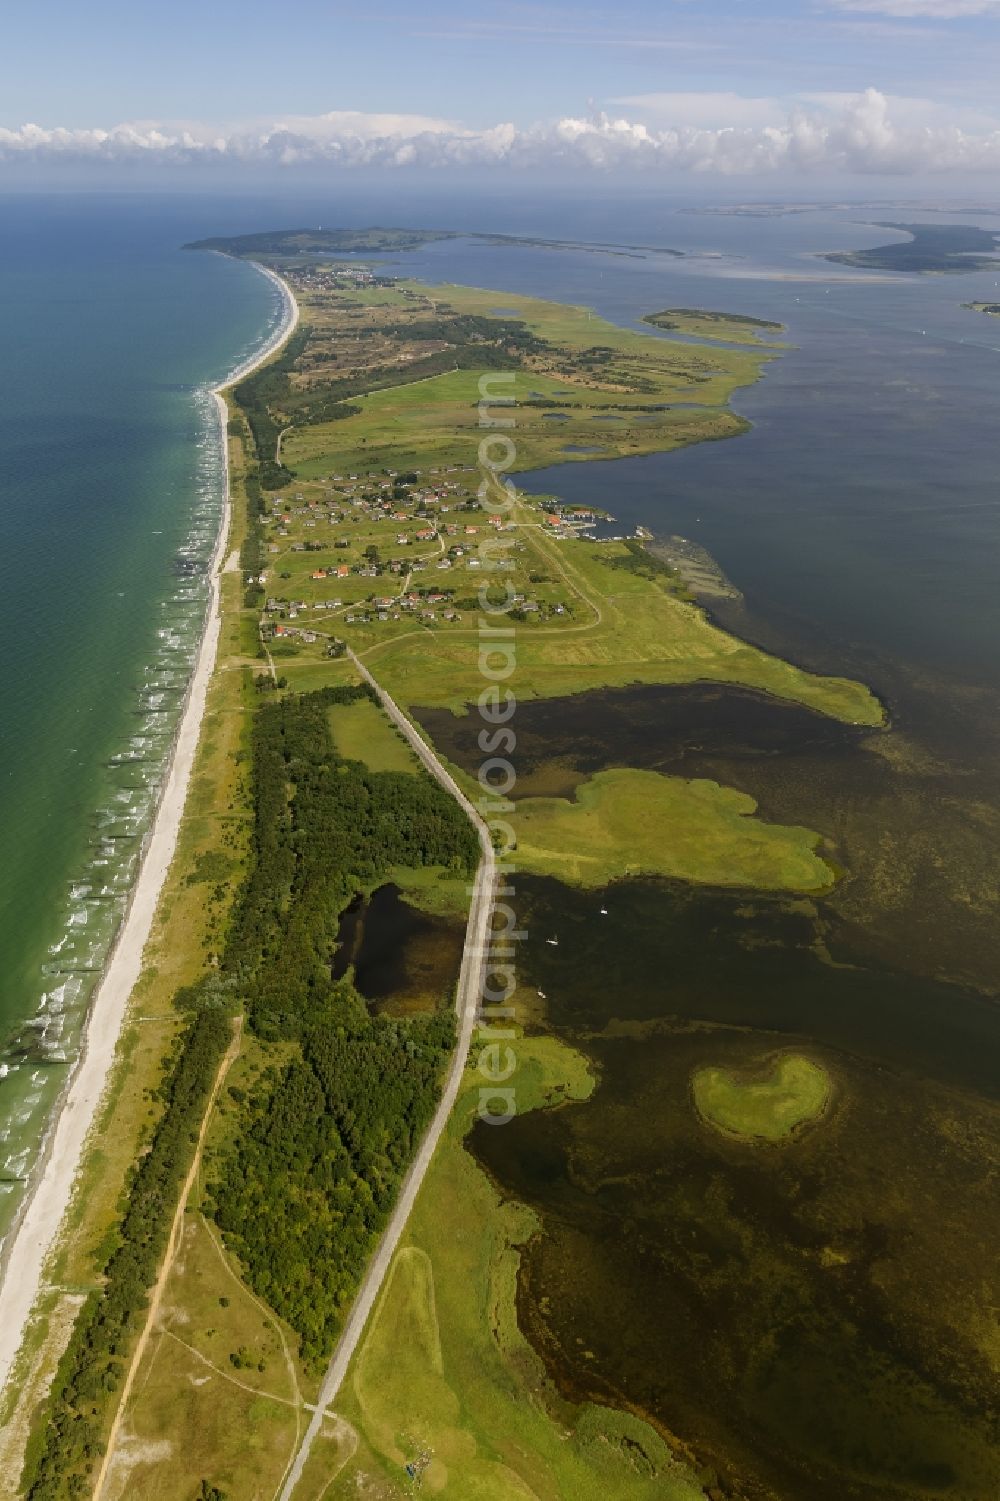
[273, 1093]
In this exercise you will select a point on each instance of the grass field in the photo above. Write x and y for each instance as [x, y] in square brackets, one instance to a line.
[600, 385]
[786, 1094]
[433, 889]
[361, 732]
[732, 328]
[626, 822]
[444, 1377]
[631, 630]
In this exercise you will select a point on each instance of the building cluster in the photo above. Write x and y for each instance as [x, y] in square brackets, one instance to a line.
[451, 526]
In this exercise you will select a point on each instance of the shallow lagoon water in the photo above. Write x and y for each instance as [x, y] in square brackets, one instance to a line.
[811, 1320]
[806, 1317]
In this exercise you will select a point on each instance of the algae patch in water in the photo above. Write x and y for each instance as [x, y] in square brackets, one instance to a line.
[770, 1104]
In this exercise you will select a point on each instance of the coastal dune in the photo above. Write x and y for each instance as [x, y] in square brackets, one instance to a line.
[48, 1197]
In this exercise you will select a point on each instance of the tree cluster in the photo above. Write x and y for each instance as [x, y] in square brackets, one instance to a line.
[94, 1363]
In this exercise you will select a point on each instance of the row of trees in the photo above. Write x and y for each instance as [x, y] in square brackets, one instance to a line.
[95, 1360]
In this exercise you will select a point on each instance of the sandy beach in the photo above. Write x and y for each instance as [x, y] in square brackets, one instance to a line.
[50, 1191]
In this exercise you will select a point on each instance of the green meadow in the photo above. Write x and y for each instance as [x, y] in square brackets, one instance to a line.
[626, 822]
[732, 328]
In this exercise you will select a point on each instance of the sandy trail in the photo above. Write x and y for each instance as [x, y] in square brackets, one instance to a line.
[174, 1242]
[49, 1195]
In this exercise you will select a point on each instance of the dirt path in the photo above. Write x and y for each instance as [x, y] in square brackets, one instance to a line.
[173, 1246]
[467, 1000]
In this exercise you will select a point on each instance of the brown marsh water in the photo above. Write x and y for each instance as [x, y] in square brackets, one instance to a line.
[809, 1319]
[916, 829]
[814, 1320]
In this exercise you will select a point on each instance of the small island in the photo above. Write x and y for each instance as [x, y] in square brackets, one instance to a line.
[991, 309]
[770, 1104]
[703, 323]
[626, 822]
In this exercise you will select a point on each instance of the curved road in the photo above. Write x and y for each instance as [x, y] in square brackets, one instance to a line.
[467, 999]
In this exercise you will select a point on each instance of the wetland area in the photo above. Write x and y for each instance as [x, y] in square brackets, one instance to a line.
[808, 1318]
[805, 1315]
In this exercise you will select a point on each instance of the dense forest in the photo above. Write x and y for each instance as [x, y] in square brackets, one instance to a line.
[320, 1155]
[322, 1147]
[323, 1142]
[323, 828]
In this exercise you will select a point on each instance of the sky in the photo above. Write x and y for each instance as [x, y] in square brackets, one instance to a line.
[706, 92]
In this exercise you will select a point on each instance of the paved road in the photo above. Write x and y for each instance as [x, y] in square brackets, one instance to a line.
[467, 1004]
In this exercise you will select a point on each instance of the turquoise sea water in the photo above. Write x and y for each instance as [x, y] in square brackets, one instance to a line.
[111, 496]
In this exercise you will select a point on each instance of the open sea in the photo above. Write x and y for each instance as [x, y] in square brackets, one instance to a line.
[111, 495]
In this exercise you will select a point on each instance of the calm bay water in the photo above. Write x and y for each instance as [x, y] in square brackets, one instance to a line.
[112, 498]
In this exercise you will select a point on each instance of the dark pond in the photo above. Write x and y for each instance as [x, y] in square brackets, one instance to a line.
[404, 960]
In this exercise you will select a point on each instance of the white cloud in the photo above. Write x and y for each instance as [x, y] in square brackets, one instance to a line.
[852, 133]
[702, 109]
[938, 10]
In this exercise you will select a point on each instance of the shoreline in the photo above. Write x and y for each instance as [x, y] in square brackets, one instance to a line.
[53, 1177]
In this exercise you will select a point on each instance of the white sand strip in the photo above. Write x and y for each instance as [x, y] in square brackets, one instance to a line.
[49, 1194]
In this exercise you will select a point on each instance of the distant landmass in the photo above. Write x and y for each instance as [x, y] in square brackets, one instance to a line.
[320, 241]
[932, 247]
